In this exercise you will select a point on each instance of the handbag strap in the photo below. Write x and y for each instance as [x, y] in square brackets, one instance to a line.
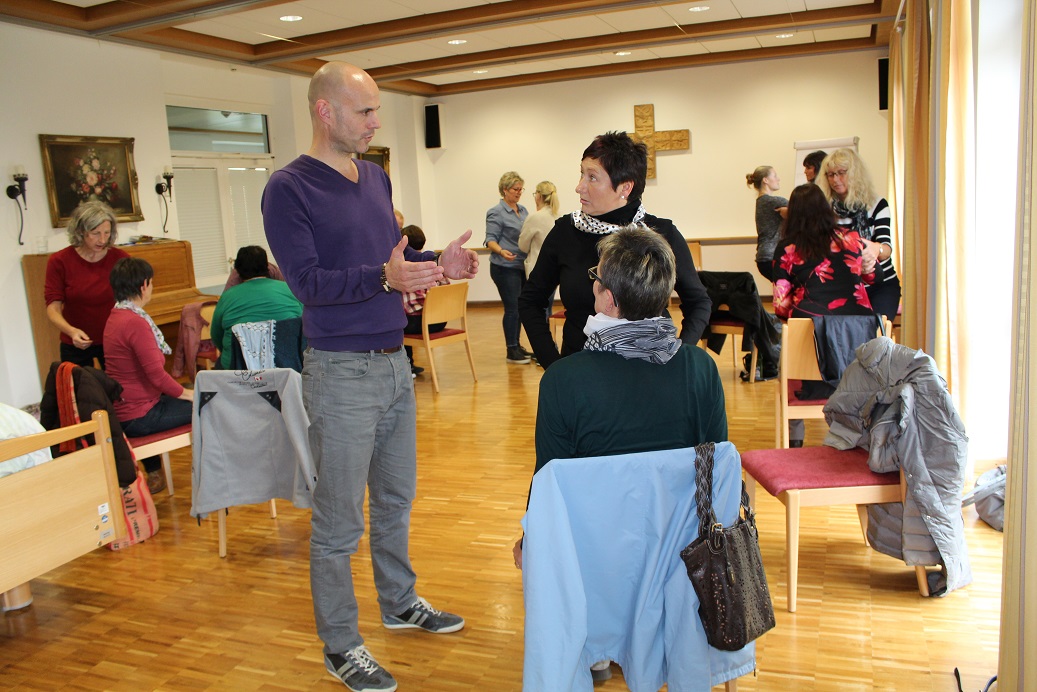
[704, 486]
[704, 492]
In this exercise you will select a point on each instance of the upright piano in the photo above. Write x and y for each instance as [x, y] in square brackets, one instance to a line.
[174, 288]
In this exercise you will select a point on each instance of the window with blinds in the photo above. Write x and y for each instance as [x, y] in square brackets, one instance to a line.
[218, 208]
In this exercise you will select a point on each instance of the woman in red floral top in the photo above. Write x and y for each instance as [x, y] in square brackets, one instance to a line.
[818, 266]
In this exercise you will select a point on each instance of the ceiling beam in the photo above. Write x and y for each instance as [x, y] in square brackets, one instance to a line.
[488, 16]
[638, 67]
[816, 19]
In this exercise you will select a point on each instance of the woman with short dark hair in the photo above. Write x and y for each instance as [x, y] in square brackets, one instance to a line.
[613, 172]
[151, 400]
[256, 299]
[76, 289]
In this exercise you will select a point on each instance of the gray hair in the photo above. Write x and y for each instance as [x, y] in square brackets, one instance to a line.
[88, 216]
[638, 266]
[508, 180]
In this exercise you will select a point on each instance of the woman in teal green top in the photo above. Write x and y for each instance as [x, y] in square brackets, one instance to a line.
[257, 298]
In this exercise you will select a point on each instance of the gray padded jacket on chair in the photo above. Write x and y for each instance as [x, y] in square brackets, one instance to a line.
[893, 402]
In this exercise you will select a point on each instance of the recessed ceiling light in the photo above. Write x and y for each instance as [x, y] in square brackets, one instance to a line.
[479, 71]
[700, 8]
[622, 53]
[291, 18]
[457, 42]
[784, 36]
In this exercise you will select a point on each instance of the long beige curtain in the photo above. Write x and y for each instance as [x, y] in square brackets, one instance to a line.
[1016, 669]
[934, 163]
[911, 78]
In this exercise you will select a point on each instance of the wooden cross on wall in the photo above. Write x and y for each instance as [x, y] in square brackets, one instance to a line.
[667, 140]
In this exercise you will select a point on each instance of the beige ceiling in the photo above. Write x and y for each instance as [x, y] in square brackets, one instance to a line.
[407, 46]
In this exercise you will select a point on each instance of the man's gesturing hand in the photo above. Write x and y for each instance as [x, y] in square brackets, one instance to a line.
[405, 276]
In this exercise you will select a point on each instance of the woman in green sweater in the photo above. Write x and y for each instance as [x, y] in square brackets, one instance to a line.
[257, 298]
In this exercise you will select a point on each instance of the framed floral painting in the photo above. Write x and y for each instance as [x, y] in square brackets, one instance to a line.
[79, 169]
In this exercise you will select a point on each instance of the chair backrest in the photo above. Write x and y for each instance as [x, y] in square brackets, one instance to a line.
[799, 351]
[446, 302]
[588, 567]
[207, 312]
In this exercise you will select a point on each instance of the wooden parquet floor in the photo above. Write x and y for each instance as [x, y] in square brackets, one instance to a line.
[171, 615]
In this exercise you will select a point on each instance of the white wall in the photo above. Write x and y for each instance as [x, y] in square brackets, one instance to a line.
[740, 116]
[54, 84]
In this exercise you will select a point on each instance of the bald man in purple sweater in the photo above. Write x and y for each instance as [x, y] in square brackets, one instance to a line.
[330, 224]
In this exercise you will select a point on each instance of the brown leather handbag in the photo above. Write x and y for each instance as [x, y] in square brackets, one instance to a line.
[726, 569]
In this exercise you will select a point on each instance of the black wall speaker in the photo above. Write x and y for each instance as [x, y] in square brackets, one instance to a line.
[432, 138]
[883, 83]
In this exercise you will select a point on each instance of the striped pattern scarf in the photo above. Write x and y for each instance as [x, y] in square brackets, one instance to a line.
[654, 340]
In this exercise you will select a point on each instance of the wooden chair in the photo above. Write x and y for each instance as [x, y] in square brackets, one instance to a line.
[820, 477]
[798, 362]
[735, 328]
[443, 304]
[207, 357]
[217, 487]
[161, 444]
[582, 556]
[556, 322]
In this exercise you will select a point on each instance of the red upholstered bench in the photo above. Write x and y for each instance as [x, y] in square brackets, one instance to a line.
[819, 477]
[161, 444]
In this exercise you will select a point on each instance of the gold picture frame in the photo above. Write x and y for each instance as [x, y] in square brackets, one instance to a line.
[78, 169]
[379, 155]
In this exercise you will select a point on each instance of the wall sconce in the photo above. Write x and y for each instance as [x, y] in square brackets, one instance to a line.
[162, 188]
[16, 191]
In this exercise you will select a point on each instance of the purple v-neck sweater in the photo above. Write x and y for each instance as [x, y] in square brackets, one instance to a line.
[330, 237]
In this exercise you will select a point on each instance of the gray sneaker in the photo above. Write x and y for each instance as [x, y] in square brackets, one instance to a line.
[517, 355]
[423, 616]
[359, 671]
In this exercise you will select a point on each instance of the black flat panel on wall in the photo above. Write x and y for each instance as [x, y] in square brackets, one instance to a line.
[883, 84]
[432, 138]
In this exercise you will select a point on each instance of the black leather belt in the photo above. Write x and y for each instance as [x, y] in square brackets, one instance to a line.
[386, 351]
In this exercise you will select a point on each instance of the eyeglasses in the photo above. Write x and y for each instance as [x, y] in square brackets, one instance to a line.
[836, 174]
[517, 189]
[593, 274]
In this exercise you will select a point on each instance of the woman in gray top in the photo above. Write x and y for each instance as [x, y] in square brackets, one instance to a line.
[770, 213]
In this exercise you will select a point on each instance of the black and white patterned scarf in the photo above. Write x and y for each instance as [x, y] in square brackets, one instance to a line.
[134, 308]
[588, 224]
[858, 217]
[654, 339]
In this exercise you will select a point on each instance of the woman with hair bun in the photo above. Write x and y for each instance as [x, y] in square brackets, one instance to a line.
[539, 223]
[770, 211]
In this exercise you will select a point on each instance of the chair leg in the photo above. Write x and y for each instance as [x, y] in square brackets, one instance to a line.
[731, 685]
[923, 583]
[752, 364]
[792, 545]
[221, 522]
[471, 360]
[168, 468]
[432, 368]
[750, 489]
[273, 509]
[862, 515]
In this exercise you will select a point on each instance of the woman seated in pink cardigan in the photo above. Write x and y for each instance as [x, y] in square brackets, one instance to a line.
[135, 354]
